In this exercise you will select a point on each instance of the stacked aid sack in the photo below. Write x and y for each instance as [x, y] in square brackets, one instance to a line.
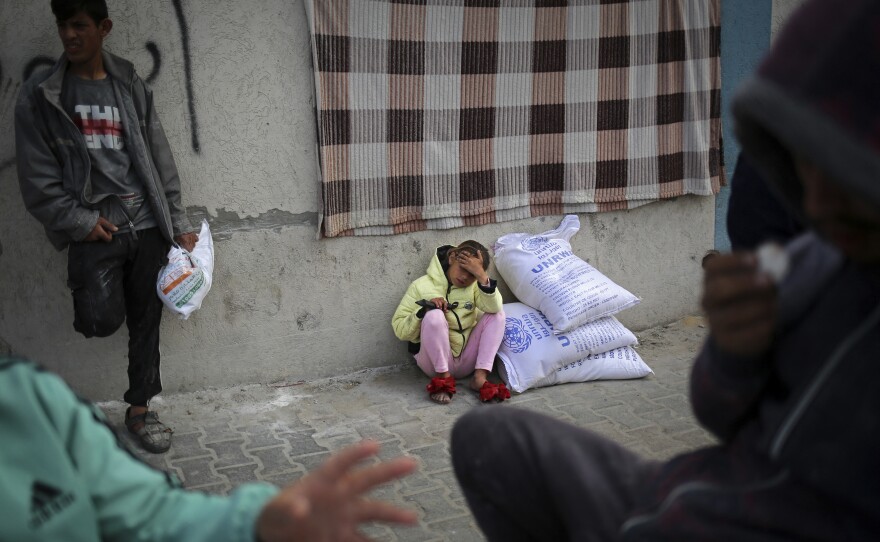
[563, 329]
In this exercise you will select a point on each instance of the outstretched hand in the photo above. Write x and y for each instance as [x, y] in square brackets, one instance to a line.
[329, 504]
[740, 304]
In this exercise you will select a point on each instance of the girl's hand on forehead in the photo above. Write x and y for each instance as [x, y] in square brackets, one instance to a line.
[472, 262]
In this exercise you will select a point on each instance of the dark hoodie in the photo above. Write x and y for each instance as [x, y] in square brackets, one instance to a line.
[799, 427]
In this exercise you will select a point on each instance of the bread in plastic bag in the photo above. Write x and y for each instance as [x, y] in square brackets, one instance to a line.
[530, 351]
[185, 280]
[543, 272]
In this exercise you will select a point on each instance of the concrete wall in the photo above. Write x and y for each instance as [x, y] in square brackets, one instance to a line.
[238, 110]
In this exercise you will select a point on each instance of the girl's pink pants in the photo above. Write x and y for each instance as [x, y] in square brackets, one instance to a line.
[435, 354]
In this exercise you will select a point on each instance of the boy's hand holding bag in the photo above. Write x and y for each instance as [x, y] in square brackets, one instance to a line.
[186, 279]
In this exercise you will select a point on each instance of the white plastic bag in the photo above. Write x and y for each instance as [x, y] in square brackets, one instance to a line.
[530, 351]
[543, 272]
[184, 282]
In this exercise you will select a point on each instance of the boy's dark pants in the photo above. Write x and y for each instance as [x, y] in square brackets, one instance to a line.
[116, 282]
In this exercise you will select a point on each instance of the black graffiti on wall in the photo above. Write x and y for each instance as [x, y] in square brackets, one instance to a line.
[187, 70]
[42, 61]
[153, 49]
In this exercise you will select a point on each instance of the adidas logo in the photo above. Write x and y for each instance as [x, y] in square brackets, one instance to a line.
[46, 501]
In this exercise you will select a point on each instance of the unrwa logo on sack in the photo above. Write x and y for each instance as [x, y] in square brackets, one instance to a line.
[534, 244]
[553, 260]
[516, 338]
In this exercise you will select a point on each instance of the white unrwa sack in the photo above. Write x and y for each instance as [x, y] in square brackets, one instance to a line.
[530, 350]
[617, 364]
[184, 282]
[543, 272]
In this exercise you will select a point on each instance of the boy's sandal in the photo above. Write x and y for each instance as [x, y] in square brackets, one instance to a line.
[440, 385]
[490, 391]
[153, 435]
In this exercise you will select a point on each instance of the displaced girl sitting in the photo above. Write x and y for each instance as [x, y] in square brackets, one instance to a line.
[453, 318]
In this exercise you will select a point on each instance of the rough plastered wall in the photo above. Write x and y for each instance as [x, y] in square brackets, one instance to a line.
[234, 91]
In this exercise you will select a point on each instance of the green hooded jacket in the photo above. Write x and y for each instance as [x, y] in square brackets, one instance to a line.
[65, 476]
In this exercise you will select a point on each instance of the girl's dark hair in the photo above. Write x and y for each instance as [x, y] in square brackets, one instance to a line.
[474, 248]
[65, 9]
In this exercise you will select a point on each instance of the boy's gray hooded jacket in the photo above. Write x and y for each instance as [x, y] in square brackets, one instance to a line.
[54, 169]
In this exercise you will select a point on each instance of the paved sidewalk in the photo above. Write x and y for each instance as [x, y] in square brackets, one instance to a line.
[278, 432]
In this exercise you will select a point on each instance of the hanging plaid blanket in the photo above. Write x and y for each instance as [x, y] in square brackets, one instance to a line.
[436, 114]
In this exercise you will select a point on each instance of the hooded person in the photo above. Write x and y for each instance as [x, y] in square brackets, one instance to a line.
[786, 379]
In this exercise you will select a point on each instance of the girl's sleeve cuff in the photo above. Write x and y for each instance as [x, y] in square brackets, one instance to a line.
[490, 289]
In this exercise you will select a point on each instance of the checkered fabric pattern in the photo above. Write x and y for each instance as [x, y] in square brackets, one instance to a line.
[436, 114]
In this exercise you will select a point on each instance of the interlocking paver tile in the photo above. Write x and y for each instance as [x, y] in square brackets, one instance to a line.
[310, 462]
[373, 430]
[579, 413]
[458, 529]
[282, 479]
[186, 445]
[679, 403]
[229, 453]
[623, 416]
[394, 414]
[196, 472]
[418, 482]
[696, 438]
[219, 431]
[272, 461]
[447, 479]
[302, 442]
[434, 505]
[413, 434]
[318, 410]
[671, 421]
[260, 439]
[418, 533]
[433, 458]
[240, 474]
[637, 402]
[612, 430]
[656, 441]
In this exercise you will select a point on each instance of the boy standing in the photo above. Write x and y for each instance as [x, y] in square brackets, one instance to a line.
[96, 170]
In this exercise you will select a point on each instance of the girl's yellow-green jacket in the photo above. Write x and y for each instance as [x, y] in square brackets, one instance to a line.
[473, 301]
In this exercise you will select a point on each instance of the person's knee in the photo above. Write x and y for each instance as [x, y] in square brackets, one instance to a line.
[92, 323]
[434, 319]
[469, 434]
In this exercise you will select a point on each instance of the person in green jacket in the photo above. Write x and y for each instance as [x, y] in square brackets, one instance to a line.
[453, 319]
[66, 476]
